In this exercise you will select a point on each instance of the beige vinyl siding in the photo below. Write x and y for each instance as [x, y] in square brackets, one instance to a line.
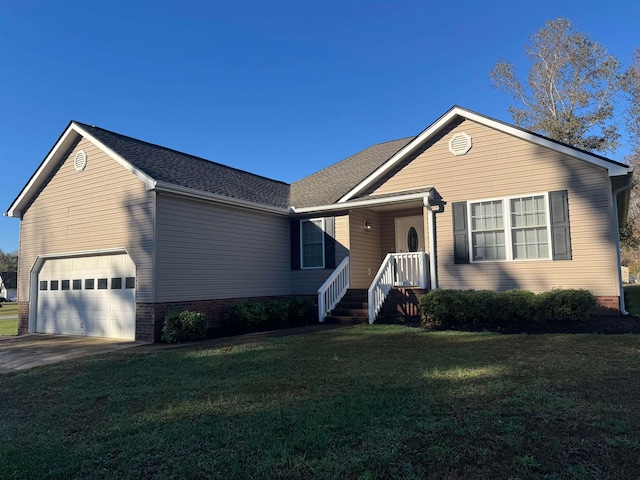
[499, 165]
[307, 281]
[366, 258]
[103, 207]
[212, 251]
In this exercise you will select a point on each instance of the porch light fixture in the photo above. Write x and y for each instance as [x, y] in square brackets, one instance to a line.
[367, 225]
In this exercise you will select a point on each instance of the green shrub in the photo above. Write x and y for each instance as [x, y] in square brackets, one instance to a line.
[297, 310]
[277, 313]
[184, 326]
[565, 305]
[486, 308]
[516, 306]
[246, 316]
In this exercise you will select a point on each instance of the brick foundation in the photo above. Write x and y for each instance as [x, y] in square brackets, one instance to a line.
[23, 318]
[403, 302]
[150, 316]
[608, 305]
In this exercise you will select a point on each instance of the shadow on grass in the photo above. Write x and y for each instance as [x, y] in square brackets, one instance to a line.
[368, 402]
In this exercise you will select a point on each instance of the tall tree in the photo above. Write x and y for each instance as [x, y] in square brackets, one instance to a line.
[570, 90]
[631, 234]
[8, 262]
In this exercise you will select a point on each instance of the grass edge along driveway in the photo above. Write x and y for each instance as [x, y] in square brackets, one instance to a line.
[363, 403]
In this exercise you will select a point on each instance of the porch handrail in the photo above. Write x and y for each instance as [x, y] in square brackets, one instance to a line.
[333, 289]
[397, 269]
[380, 287]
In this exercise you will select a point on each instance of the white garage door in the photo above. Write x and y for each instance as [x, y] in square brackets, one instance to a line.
[93, 296]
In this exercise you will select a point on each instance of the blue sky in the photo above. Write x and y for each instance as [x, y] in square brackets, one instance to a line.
[278, 88]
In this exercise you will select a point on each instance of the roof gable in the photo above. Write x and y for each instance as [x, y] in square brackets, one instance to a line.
[161, 168]
[455, 114]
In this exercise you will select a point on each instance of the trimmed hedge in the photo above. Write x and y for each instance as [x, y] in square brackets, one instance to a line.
[248, 316]
[490, 309]
[184, 326]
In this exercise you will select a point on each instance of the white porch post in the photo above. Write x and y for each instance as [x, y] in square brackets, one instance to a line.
[433, 275]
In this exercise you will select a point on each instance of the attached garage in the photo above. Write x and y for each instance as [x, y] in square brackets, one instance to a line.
[87, 295]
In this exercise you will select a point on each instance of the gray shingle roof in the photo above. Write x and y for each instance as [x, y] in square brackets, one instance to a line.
[176, 168]
[9, 279]
[330, 184]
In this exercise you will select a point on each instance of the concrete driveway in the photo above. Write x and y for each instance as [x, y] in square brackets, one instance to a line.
[27, 351]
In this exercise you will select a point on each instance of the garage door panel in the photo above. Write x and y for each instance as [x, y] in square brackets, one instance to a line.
[86, 300]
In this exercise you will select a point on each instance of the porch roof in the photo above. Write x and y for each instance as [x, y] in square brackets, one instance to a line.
[413, 197]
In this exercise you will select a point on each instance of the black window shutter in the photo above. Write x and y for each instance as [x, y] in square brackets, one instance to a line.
[295, 244]
[560, 233]
[460, 233]
[329, 243]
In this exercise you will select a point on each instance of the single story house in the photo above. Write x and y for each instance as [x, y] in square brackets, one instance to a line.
[8, 285]
[116, 232]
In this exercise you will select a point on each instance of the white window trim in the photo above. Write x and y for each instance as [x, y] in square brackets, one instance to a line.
[506, 212]
[302, 267]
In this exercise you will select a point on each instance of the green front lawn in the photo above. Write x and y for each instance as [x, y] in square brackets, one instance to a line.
[363, 403]
[9, 326]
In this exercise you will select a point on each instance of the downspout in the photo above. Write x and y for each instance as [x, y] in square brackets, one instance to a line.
[433, 277]
[623, 311]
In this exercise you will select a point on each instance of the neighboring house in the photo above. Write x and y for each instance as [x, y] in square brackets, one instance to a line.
[8, 285]
[116, 232]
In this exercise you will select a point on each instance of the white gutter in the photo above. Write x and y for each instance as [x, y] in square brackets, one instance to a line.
[189, 192]
[617, 233]
[362, 203]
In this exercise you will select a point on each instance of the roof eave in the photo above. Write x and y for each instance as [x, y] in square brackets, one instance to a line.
[369, 202]
[213, 197]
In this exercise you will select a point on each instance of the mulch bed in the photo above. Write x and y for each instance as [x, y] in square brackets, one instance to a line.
[603, 324]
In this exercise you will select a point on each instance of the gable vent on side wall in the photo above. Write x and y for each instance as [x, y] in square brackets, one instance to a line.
[460, 143]
[80, 162]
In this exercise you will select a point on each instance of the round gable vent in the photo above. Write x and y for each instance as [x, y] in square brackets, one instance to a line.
[80, 162]
[460, 143]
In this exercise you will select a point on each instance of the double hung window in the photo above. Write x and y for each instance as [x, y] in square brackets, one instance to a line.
[312, 244]
[527, 227]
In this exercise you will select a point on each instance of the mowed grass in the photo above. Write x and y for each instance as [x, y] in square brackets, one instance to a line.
[633, 299]
[371, 402]
[9, 326]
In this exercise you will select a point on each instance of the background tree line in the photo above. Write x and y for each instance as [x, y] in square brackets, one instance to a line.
[579, 94]
[8, 261]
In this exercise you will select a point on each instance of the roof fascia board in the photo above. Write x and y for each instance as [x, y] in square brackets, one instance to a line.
[613, 169]
[146, 179]
[213, 197]
[68, 137]
[363, 203]
[62, 146]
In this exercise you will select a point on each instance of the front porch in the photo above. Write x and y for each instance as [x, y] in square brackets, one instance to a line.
[394, 291]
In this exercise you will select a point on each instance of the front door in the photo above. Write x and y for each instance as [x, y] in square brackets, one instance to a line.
[409, 234]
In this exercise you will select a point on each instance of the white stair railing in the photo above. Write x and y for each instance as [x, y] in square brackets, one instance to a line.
[333, 289]
[397, 270]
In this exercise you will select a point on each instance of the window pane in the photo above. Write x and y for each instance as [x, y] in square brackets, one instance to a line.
[529, 231]
[130, 282]
[116, 283]
[65, 284]
[77, 284]
[312, 246]
[88, 284]
[54, 284]
[489, 245]
[43, 284]
[102, 284]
